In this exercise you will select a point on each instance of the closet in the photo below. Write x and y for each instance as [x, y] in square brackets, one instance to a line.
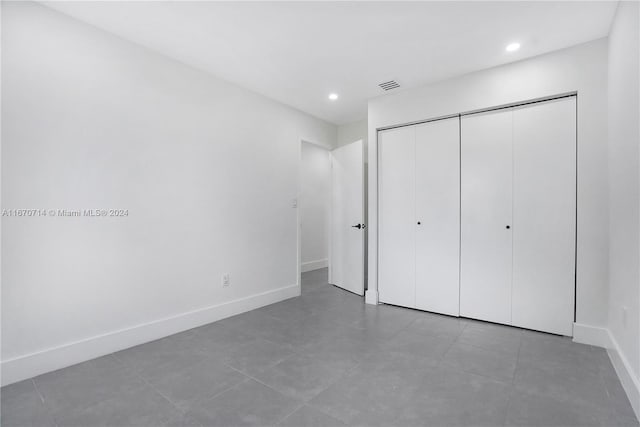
[518, 222]
[477, 215]
[419, 212]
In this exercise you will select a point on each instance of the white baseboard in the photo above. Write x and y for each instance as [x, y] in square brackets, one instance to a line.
[592, 335]
[602, 337]
[630, 382]
[314, 265]
[30, 365]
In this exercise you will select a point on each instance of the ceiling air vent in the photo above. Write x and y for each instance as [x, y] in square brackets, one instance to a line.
[391, 84]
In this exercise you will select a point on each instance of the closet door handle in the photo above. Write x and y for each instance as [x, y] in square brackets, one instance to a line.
[508, 227]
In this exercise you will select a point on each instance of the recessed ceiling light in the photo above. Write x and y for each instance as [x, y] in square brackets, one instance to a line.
[512, 47]
[333, 96]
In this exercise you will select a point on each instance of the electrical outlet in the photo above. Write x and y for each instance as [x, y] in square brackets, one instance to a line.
[624, 317]
[294, 203]
[226, 280]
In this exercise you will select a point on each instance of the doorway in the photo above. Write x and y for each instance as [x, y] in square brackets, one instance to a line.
[314, 204]
[331, 214]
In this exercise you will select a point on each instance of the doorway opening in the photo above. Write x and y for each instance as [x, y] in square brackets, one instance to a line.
[332, 216]
[314, 211]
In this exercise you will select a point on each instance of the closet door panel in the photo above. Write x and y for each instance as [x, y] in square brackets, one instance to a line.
[396, 280]
[437, 159]
[544, 216]
[486, 197]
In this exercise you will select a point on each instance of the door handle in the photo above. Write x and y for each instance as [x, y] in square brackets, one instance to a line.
[358, 226]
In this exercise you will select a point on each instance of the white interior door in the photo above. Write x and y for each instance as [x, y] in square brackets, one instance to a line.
[397, 221]
[544, 214]
[437, 226]
[347, 218]
[486, 216]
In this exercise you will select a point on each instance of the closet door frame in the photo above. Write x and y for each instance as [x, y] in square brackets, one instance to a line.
[372, 295]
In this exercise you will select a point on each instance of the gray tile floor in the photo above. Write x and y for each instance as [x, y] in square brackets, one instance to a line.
[327, 359]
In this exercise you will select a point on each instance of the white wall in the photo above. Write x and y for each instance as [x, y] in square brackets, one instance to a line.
[583, 69]
[314, 205]
[624, 190]
[207, 170]
[351, 132]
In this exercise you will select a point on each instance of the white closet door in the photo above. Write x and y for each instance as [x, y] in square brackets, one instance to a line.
[544, 214]
[486, 195]
[437, 159]
[396, 238]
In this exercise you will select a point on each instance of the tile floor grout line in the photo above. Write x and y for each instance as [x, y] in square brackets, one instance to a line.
[294, 351]
[444, 366]
[453, 342]
[489, 350]
[304, 401]
[155, 390]
[279, 422]
[506, 412]
[45, 405]
[35, 386]
[108, 399]
[513, 378]
[229, 388]
[266, 385]
[321, 410]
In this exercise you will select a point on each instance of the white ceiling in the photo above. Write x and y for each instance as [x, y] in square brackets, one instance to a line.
[299, 52]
